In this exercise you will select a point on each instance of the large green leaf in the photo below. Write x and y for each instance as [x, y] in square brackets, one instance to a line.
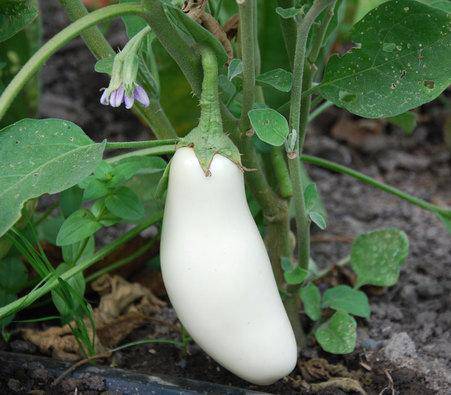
[38, 157]
[15, 15]
[377, 256]
[338, 334]
[402, 61]
[444, 5]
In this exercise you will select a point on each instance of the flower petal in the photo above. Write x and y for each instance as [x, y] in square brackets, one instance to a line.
[104, 99]
[141, 95]
[129, 100]
[117, 97]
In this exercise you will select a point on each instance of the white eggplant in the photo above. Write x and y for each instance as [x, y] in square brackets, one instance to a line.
[217, 272]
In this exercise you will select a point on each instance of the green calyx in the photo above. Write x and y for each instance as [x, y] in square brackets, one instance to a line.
[126, 64]
[208, 138]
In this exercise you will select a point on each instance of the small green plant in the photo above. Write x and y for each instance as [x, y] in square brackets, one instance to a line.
[258, 92]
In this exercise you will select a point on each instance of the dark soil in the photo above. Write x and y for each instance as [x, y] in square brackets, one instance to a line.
[406, 345]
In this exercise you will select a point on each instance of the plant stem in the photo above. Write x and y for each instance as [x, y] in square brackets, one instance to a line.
[93, 37]
[288, 30]
[176, 47]
[326, 164]
[320, 109]
[121, 262]
[281, 172]
[58, 41]
[154, 115]
[139, 144]
[298, 115]
[35, 294]
[247, 35]
[153, 151]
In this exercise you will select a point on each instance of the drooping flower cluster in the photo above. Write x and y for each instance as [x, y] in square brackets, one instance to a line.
[123, 87]
[117, 96]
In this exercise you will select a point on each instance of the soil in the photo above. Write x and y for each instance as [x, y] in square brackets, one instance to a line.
[405, 347]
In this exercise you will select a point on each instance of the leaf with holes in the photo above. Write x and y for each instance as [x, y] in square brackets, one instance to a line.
[343, 297]
[338, 334]
[377, 256]
[270, 126]
[279, 79]
[15, 15]
[38, 157]
[311, 300]
[402, 61]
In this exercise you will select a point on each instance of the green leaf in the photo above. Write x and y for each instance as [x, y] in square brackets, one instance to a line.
[279, 79]
[77, 227]
[406, 121]
[314, 206]
[125, 204]
[13, 275]
[49, 229]
[286, 264]
[14, 53]
[95, 189]
[377, 256]
[311, 300]
[270, 126]
[41, 156]
[295, 276]
[287, 13]
[444, 5]
[73, 251]
[196, 32]
[343, 297]
[338, 334]
[133, 24]
[105, 65]
[127, 168]
[15, 15]
[70, 200]
[382, 81]
[446, 220]
[106, 218]
[5, 299]
[235, 69]
[68, 300]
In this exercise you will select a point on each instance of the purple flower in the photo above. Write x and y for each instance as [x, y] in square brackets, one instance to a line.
[117, 96]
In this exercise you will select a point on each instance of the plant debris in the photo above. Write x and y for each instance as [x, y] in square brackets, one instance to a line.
[123, 307]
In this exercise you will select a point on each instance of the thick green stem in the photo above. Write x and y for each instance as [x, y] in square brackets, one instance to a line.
[93, 37]
[37, 293]
[210, 116]
[153, 116]
[247, 35]
[374, 183]
[288, 30]
[176, 47]
[139, 144]
[297, 122]
[58, 41]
